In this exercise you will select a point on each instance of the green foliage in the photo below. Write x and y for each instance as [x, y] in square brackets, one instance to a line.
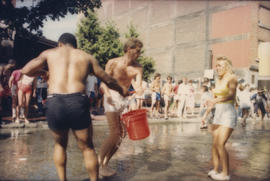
[30, 19]
[146, 62]
[102, 42]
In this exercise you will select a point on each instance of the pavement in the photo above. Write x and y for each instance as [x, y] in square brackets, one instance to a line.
[176, 150]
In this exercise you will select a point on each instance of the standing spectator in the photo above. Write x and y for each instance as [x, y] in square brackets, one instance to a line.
[167, 91]
[41, 93]
[25, 88]
[205, 98]
[91, 89]
[183, 91]
[260, 102]
[175, 97]
[243, 97]
[190, 98]
[156, 97]
[13, 85]
[140, 98]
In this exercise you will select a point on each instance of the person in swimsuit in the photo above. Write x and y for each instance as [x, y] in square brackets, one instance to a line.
[67, 105]
[225, 117]
[156, 97]
[25, 87]
[125, 70]
[167, 92]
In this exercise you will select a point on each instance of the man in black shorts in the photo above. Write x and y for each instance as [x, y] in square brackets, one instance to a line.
[67, 106]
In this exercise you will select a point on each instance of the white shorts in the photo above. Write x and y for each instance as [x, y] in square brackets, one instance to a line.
[167, 98]
[119, 102]
[225, 115]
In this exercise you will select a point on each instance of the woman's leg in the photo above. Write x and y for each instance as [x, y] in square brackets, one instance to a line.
[223, 135]
[215, 155]
[20, 103]
[27, 102]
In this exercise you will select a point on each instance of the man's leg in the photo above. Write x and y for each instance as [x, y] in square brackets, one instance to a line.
[111, 144]
[166, 108]
[180, 108]
[60, 156]
[85, 143]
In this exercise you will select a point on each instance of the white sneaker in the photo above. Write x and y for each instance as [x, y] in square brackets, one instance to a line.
[220, 177]
[212, 172]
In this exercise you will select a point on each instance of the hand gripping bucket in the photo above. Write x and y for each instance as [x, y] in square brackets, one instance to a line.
[136, 124]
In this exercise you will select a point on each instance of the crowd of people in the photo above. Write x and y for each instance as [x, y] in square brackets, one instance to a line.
[75, 88]
[185, 98]
[18, 91]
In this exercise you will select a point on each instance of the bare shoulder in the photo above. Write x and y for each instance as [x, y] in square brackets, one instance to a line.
[114, 60]
[232, 78]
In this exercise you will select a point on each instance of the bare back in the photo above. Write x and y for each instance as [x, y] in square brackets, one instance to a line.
[68, 69]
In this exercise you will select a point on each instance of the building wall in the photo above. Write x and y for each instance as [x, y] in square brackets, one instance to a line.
[179, 34]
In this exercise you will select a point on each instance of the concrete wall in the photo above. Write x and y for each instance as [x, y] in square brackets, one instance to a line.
[179, 34]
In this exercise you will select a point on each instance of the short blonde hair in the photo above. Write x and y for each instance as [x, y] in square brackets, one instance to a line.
[226, 60]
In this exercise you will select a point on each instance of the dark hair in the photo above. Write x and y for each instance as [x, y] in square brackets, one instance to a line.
[180, 81]
[205, 88]
[169, 77]
[12, 61]
[157, 75]
[68, 38]
[132, 43]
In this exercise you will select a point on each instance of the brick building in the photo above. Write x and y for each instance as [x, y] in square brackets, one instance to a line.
[184, 37]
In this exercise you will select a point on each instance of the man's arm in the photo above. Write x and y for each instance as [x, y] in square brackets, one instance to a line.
[104, 77]
[34, 67]
[137, 84]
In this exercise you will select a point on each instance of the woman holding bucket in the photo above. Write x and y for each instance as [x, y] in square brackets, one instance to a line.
[124, 69]
[225, 117]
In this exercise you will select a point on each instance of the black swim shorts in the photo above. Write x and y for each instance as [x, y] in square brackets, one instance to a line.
[66, 111]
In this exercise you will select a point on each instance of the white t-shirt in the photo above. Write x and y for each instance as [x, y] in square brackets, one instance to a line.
[244, 99]
[183, 90]
[206, 96]
[91, 81]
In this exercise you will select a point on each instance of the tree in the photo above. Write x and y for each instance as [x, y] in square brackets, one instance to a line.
[30, 19]
[102, 42]
[146, 62]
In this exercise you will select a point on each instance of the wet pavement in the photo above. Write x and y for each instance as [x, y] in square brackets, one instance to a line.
[174, 151]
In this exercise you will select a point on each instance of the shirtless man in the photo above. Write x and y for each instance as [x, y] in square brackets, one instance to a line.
[167, 91]
[124, 69]
[67, 105]
[156, 97]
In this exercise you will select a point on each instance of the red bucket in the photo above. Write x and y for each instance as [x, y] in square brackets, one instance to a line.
[136, 124]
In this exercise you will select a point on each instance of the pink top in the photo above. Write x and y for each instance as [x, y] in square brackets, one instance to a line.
[17, 75]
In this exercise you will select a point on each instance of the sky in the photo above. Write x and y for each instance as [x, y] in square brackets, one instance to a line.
[53, 29]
